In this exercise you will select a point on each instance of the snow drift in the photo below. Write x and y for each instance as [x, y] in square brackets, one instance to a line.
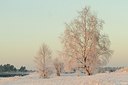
[115, 78]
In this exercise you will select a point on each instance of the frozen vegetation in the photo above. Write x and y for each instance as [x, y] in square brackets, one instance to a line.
[119, 77]
[86, 48]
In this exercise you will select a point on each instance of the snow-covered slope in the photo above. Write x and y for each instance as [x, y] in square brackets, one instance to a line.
[115, 78]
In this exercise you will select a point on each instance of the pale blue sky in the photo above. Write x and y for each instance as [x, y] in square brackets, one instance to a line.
[25, 24]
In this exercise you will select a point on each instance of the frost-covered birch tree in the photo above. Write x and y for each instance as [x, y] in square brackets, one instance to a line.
[42, 59]
[84, 41]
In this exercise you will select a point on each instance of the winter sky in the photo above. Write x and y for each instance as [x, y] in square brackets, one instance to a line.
[26, 24]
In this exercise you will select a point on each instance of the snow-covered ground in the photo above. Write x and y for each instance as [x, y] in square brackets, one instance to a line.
[116, 78]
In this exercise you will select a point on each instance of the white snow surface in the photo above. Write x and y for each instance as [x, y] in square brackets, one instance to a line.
[115, 78]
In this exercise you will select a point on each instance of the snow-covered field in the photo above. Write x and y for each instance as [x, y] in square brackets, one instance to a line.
[115, 78]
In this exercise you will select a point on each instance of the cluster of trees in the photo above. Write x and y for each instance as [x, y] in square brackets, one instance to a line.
[22, 69]
[108, 69]
[7, 68]
[43, 60]
[11, 68]
[84, 46]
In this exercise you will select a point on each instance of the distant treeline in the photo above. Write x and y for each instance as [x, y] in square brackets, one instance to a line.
[108, 69]
[11, 68]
